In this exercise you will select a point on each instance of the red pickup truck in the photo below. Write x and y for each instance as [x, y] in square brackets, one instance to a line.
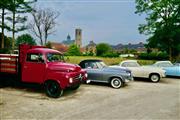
[37, 64]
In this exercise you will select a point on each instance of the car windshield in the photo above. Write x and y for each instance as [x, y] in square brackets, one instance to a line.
[55, 57]
[101, 64]
[130, 64]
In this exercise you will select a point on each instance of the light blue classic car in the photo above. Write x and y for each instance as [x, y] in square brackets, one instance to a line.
[171, 70]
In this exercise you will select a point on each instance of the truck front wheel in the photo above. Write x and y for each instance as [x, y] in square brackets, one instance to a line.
[53, 89]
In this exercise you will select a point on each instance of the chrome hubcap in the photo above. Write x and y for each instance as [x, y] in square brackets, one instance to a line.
[154, 78]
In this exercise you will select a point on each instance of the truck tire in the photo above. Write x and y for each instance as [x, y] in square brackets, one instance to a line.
[154, 77]
[75, 87]
[116, 83]
[53, 89]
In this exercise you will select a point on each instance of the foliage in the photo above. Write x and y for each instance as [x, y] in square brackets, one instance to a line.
[110, 54]
[7, 44]
[14, 11]
[163, 24]
[107, 60]
[48, 44]
[18, 9]
[102, 48]
[73, 50]
[128, 51]
[3, 6]
[154, 56]
[25, 39]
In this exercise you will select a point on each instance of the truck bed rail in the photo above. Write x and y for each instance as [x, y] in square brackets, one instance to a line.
[8, 63]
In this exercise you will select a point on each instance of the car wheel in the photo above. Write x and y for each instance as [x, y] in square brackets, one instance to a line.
[53, 89]
[75, 87]
[116, 83]
[154, 78]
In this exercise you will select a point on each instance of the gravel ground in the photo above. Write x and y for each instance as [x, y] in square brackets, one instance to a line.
[137, 100]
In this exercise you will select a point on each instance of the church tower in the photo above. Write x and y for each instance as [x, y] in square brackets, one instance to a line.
[78, 37]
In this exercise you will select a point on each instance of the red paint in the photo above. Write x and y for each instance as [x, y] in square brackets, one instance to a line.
[40, 72]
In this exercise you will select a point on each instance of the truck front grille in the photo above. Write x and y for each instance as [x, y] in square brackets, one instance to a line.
[78, 77]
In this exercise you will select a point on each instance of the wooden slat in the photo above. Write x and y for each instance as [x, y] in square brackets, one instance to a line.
[7, 56]
[8, 66]
[8, 61]
[7, 71]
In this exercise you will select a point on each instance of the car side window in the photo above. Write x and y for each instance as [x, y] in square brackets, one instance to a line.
[124, 65]
[163, 64]
[88, 65]
[91, 65]
[34, 57]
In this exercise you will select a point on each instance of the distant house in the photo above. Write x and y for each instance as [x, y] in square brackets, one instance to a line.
[91, 47]
[59, 46]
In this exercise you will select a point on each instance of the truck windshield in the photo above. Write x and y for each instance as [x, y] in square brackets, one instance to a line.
[55, 57]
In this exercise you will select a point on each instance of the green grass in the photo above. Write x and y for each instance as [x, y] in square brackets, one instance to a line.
[108, 61]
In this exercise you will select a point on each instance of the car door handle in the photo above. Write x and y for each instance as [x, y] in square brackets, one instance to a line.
[25, 67]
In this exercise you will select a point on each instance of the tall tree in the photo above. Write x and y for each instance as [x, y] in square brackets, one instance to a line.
[3, 6]
[25, 39]
[102, 48]
[163, 24]
[43, 24]
[18, 18]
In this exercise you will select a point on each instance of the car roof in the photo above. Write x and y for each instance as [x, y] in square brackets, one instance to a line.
[91, 60]
[88, 60]
[129, 61]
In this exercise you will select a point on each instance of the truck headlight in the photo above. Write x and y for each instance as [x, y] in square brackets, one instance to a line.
[86, 75]
[70, 80]
[67, 76]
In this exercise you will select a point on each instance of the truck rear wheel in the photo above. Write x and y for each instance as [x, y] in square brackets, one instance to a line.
[53, 89]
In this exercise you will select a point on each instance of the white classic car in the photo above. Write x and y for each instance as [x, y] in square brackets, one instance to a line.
[153, 73]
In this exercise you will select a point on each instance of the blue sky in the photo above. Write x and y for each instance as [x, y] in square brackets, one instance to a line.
[109, 21]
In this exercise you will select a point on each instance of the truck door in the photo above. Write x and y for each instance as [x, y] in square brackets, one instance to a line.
[33, 69]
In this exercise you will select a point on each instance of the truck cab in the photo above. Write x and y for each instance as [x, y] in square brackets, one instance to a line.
[45, 66]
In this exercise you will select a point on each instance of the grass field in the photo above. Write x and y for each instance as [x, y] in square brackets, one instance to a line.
[108, 61]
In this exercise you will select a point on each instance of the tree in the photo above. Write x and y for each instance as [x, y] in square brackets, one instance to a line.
[48, 44]
[18, 8]
[74, 50]
[102, 48]
[163, 24]
[43, 24]
[7, 44]
[25, 39]
[3, 6]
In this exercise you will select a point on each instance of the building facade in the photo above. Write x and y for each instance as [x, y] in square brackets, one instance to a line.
[91, 47]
